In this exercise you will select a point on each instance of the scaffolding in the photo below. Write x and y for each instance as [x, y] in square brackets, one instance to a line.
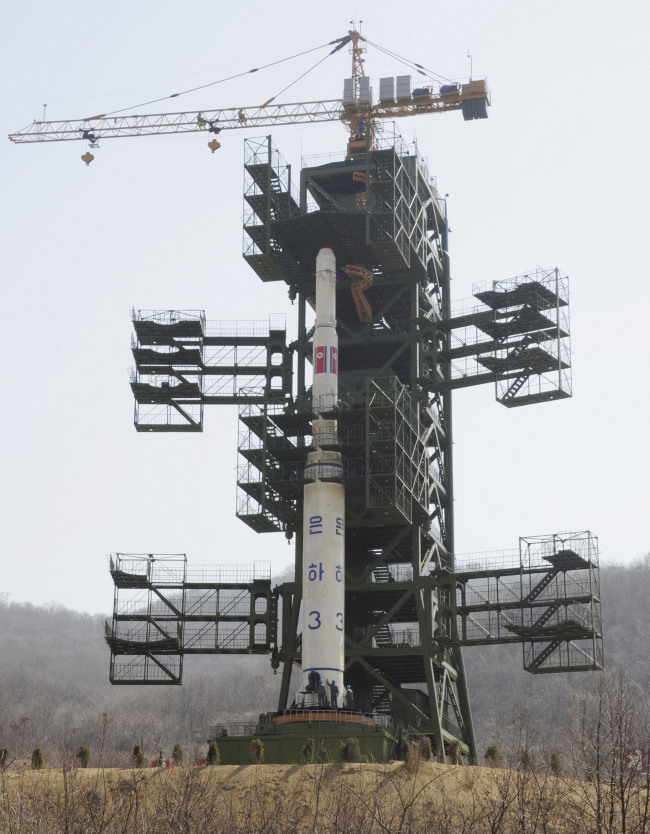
[411, 606]
[162, 611]
[183, 362]
[517, 336]
[546, 596]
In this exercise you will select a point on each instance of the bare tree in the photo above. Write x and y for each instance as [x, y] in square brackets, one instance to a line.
[611, 720]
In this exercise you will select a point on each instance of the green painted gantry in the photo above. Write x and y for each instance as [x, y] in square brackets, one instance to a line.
[410, 607]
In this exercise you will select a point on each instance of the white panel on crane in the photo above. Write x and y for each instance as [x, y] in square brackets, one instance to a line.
[387, 89]
[365, 90]
[403, 86]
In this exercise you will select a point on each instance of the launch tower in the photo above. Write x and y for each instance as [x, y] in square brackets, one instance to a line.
[403, 348]
[381, 438]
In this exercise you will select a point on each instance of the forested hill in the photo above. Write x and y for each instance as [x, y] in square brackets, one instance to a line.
[54, 689]
[501, 691]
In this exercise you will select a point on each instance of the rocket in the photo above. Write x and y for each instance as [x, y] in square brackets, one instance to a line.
[323, 586]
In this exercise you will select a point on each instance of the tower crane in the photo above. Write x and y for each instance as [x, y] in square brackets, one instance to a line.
[356, 110]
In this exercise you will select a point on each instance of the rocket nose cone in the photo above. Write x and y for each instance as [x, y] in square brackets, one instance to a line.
[325, 259]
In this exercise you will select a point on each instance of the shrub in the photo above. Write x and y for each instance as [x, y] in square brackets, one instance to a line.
[402, 750]
[492, 756]
[83, 756]
[455, 753]
[555, 763]
[4, 757]
[350, 750]
[257, 751]
[424, 749]
[137, 756]
[37, 759]
[307, 751]
[525, 759]
[214, 757]
[412, 757]
[178, 757]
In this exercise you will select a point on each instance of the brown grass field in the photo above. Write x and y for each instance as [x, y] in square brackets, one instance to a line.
[417, 797]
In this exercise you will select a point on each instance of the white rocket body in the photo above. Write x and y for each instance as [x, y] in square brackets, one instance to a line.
[323, 587]
[326, 380]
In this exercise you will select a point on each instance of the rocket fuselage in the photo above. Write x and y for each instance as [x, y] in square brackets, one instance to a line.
[323, 588]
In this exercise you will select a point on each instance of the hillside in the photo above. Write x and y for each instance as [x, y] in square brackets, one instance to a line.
[501, 691]
[54, 689]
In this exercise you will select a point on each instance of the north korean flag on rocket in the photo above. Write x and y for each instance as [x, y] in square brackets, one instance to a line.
[326, 359]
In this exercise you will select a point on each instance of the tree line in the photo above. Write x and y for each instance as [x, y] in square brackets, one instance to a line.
[55, 693]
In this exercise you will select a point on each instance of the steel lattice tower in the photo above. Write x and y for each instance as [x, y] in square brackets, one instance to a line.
[403, 349]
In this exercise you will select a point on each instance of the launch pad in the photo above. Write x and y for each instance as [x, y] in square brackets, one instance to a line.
[285, 735]
[403, 348]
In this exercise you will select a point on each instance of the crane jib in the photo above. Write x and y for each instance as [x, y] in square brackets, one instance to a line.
[472, 98]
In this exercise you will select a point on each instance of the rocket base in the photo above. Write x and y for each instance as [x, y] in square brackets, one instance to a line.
[284, 735]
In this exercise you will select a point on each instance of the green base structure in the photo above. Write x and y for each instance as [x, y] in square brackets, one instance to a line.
[300, 736]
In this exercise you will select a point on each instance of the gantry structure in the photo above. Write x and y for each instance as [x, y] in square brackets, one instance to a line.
[404, 348]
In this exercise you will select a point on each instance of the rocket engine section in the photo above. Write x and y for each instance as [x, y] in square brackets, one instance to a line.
[323, 588]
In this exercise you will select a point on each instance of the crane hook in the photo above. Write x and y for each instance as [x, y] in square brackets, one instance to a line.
[87, 157]
[213, 145]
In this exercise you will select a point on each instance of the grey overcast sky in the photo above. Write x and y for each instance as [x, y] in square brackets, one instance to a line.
[557, 176]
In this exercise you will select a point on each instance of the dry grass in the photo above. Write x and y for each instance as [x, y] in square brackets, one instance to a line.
[351, 798]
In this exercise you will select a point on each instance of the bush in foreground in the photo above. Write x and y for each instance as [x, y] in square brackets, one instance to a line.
[492, 756]
[214, 757]
[257, 751]
[350, 750]
[137, 757]
[83, 756]
[424, 749]
[307, 751]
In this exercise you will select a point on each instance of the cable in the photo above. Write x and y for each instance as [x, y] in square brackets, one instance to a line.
[340, 43]
[229, 78]
[336, 49]
[421, 69]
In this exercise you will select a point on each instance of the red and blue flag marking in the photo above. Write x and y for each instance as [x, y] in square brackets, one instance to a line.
[326, 360]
